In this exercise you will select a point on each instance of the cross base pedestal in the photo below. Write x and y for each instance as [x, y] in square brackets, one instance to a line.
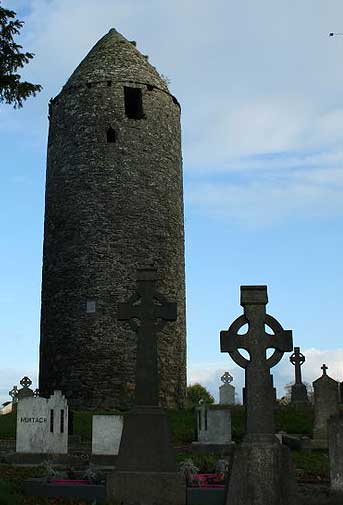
[146, 442]
[262, 473]
[147, 488]
[299, 394]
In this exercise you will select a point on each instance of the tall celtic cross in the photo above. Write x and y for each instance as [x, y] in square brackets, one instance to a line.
[152, 311]
[259, 399]
[297, 359]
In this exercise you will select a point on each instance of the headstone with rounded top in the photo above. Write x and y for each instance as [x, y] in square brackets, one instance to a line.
[24, 392]
[227, 390]
[19, 394]
[262, 470]
[326, 396]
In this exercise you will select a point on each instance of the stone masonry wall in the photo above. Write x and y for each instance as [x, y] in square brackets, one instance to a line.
[110, 207]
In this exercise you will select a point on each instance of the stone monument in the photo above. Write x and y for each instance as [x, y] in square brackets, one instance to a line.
[213, 425]
[262, 472]
[325, 405]
[114, 199]
[226, 390]
[299, 390]
[106, 434]
[146, 467]
[42, 425]
[24, 392]
[335, 442]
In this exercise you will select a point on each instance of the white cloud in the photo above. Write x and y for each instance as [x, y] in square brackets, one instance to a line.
[258, 93]
[208, 374]
[273, 196]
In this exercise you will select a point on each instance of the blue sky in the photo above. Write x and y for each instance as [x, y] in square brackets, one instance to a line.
[261, 89]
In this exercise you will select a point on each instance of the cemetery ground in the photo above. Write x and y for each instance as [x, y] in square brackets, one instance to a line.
[312, 467]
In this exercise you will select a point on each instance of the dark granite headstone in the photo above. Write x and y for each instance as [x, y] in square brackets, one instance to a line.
[262, 472]
[326, 395]
[299, 390]
[146, 466]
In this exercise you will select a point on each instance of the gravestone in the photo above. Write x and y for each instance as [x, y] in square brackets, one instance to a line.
[262, 472]
[42, 425]
[146, 467]
[24, 392]
[226, 390]
[106, 434]
[213, 425]
[335, 442]
[326, 398]
[299, 390]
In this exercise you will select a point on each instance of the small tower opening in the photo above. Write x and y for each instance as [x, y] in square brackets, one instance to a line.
[111, 135]
[133, 103]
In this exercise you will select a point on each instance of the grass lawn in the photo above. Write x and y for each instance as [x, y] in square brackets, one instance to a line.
[182, 423]
[310, 466]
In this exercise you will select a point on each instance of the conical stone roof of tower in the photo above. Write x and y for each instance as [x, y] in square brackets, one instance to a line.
[115, 58]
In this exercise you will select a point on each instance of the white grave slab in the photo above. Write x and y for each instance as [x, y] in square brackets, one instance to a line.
[106, 434]
[42, 425]
[213, 425]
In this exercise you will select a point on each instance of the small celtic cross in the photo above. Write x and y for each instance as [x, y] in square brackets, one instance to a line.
[226, 378]
[297, 359]
[260, 398]
[13, 393]
[26, 382]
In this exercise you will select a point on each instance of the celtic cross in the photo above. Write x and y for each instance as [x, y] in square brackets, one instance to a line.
[26, 382]
[259, 399]
[14, 394]
[297, 359]
[153, 312]
[226, 378]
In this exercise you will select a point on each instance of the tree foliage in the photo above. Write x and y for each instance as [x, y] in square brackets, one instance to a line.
[12, 89]
[197, 392]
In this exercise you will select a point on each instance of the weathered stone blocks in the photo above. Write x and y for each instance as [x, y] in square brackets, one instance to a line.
[110, 207]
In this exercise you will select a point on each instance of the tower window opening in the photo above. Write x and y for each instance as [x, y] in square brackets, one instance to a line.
[109, 83]
[89, 85]
[133, 103]
[111, 135]
[90, 307]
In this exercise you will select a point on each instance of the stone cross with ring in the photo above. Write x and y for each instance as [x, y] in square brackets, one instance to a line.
[297, 359]
[259, 399]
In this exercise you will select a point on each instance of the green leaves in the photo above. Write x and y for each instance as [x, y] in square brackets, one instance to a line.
[12, 89]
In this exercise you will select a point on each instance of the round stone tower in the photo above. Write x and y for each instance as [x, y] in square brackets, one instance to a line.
[114, 203]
